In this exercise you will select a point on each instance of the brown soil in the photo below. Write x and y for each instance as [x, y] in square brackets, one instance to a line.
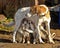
[6, 41]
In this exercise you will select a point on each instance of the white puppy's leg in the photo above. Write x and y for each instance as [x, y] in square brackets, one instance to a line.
[34, 35]
[28, 39]
[24, 38]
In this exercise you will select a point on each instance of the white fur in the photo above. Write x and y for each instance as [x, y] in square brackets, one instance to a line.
[20, 14]
[47, 22]
[30, 31]
[26, 28]
[28, 14]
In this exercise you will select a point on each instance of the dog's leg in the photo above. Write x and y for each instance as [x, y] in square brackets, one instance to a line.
[22, 33]
[34, 35]
[49, 34]
[14, 35]
[23, 38]
[39, 32]
[28, 38]
[41, 27]
[17, 24]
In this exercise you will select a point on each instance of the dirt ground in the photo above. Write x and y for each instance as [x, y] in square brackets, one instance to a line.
[6, 41]
[14, 45]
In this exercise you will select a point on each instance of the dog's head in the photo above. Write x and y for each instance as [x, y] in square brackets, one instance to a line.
[38, 10]
[42, 10]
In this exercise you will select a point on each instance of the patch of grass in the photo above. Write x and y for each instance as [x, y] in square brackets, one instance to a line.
[5, 28]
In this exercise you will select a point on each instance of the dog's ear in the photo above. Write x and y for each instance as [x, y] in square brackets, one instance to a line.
[42, 9]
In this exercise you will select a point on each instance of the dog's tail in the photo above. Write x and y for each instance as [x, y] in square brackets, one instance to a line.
[8, 25]
[53, 7]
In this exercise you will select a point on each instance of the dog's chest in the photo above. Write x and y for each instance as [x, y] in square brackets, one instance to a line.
[44, 19]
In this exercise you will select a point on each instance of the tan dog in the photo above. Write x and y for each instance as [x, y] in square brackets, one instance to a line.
[43, 13]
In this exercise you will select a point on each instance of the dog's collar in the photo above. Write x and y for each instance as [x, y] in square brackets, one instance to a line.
[43, 15]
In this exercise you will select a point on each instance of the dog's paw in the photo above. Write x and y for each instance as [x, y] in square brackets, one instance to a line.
[14, 42]
[51, 41]
[42, 42]
[34, 42]
[28, 42]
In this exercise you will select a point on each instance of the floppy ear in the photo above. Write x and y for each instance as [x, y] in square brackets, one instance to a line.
[44, 9]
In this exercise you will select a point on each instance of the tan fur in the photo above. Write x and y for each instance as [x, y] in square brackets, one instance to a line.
[48, 14]
[39, 9]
